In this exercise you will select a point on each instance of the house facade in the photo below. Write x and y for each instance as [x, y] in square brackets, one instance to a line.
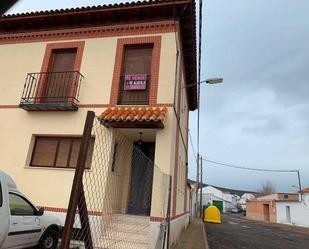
[294, 212]
[265, 208]
[130, 64]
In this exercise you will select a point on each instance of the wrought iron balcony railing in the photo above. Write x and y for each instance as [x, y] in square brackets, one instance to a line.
[51, 91]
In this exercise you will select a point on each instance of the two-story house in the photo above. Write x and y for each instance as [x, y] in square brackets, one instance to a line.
[136, 61]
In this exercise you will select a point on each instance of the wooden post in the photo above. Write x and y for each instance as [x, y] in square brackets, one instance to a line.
[84, 220]
[77, 183]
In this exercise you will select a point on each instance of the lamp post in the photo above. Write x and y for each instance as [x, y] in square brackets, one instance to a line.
[199, 185]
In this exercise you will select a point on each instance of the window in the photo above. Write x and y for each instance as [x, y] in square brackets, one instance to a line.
[19, 206]
[58, 81]
[135, 78]
[59, 152]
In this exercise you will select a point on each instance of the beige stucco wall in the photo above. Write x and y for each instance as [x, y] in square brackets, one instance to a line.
[97, 66]
[51, 187]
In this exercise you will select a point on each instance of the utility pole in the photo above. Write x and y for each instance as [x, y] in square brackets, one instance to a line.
[201, 193]
[299, 185]
[197, 185]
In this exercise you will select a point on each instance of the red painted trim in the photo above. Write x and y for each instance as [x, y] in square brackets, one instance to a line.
[50, 47]
[177, 144]
[155, 64]
[9, 106]
[93, 32]
[159, 219]
[97, 213]
[91, 106]
[65, 210]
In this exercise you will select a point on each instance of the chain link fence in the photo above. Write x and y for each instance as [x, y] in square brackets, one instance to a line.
[111, 202]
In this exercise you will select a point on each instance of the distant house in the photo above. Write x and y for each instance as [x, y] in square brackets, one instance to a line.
[265, 208]
[295, 212]
[222, 199]
[244, 198]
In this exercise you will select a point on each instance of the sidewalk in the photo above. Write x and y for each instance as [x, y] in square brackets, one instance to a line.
[194, 237]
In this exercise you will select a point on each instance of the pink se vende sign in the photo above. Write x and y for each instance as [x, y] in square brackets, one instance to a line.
[135, 81]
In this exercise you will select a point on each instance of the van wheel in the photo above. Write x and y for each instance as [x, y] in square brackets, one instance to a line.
[49, 240]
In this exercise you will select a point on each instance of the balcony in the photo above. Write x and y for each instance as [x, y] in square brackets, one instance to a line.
[135, 96]
[51, 91]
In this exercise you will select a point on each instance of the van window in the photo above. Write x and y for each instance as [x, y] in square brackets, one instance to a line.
[19, 206]
[1, 198]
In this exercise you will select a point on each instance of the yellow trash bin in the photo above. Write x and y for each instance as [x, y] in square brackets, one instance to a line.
[212, 214]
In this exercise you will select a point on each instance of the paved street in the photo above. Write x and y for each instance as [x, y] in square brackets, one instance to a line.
[238, 233]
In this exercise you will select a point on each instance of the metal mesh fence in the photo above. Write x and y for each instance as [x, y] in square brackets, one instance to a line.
[119, 192]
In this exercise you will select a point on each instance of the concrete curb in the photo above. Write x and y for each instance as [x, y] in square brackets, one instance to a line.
[205, 237]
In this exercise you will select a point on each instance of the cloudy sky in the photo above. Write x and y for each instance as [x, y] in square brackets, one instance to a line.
[259, 116]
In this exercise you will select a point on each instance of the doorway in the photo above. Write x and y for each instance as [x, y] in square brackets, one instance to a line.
[141, 178]
[288, 214]
[266, 212]
[59, 79]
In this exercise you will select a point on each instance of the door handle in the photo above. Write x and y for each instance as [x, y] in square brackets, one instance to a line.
[14, 223]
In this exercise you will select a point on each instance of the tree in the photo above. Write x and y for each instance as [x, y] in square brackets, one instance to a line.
[267, 188]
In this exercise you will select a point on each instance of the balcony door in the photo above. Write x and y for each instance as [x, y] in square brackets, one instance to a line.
[136, 75]
[60, 76]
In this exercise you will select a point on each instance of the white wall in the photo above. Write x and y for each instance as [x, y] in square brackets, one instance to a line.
[299, 212]
[244, 198]
[211, 193]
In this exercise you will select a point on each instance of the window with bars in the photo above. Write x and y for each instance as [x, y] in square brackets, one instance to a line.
[58, 152]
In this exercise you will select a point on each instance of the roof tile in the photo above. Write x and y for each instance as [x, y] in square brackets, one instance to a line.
[134, 114]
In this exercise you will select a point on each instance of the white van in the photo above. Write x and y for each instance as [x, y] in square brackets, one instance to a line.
[22, 224]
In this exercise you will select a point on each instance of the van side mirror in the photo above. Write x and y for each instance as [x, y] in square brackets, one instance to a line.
[40, 211]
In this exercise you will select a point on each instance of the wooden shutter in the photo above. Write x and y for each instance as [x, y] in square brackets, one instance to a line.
[75, 152]
[60, 78]
[59, 152]
[63, 152]
[44, 151]
[137, 60]
[62, 60]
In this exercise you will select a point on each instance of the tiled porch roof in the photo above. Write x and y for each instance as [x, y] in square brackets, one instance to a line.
[134, 117]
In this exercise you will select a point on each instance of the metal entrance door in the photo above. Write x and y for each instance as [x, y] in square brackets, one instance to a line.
[288, 214]
[218, 204]
[266, 212]
[141, 179]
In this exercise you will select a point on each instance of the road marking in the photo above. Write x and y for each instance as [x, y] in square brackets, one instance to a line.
[233, 223]
[245, 226]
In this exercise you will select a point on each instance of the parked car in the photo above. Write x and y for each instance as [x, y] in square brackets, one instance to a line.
[22, 224]
[236, 210]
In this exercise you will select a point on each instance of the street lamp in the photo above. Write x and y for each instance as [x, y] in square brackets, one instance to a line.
[198, 185]
[209, 81]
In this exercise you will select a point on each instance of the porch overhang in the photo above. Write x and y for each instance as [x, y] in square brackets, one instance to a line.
[134, 117]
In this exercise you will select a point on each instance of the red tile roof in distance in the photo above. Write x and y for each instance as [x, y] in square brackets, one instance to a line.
[306, 190]
[123, 13]
[134, 114]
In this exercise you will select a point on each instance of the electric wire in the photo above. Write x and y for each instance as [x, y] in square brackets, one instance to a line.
[248, 168]
[192, 146]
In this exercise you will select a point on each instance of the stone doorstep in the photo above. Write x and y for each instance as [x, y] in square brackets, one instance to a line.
[130, 218]
[130, 227]
[120, 243]
[128, 236]
[109, 244]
